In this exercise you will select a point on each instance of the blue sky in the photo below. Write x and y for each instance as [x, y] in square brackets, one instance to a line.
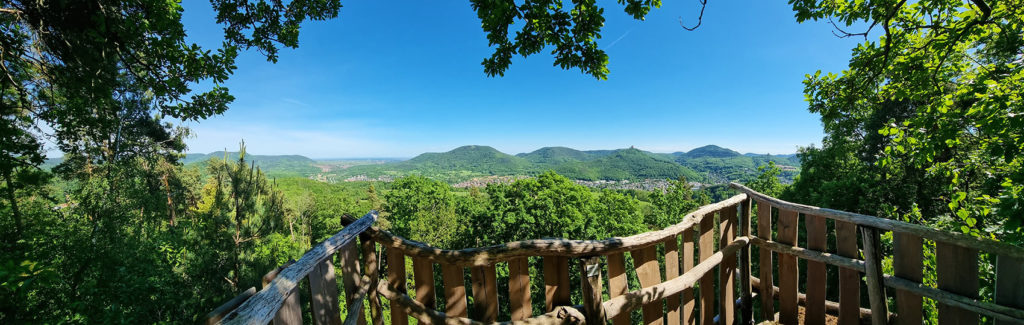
[398, 78]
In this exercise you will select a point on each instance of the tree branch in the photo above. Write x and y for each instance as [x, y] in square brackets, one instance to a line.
[700, 18]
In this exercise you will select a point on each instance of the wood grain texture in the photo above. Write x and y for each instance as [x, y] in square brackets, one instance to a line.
[871, 239]
[423, 275]
[764, 232]
[817, 240]
[746, 291]
[707, 282]
[625, 303]
[1009, 283]
[957, 272]
[348, 256]
[997, 312]
[261, 308]
[958, 239]
[371, 270]
[649, 274]
[726, 286]
[291, 310]
[689, 313]
[789, 271]
[672, 305]
[590, 283]
[519, 288]
[453, 279]
[323, 290]
[908, 258]
[617, 283]
[485, 293]
[217, 314]
[849, 280]
[396, 277]
[560, 316]
[556, 282]
[489, 255]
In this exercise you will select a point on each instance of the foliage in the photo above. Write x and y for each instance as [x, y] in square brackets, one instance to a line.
[928, 117]
[424, 210]
[768, 181]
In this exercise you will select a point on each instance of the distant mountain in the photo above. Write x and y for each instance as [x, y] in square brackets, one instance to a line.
[625, 164]
[480, 159]
[280, 165]
[710, 151]
[558, 155]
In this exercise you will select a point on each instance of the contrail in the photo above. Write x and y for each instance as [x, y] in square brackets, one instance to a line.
[618, 39]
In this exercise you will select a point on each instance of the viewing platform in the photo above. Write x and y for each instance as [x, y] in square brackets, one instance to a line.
[701, 270]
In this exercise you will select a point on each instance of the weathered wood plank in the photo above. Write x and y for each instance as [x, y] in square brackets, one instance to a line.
[649, 274]
[849, 280]
[957, 272]
[423, 275]
[519, 288]
[590, 275]
[323, 289]
[827, 258]
[217, 314]
[260, 308]
[1009, 283]
[873, 275]
[291, 310]
[454, 282]
[561, 316]
[746, 292]
[764, 231]
[631, 300]
[817, 240]
[958, 239]
[556, 282]
[396, 277]
[485, 293]
[371, 267]
[726, 287]
[997, 312]
[348, 256]
[907, 262]
[671, 272]
[707, 283]
[788, 269]
[689, 305]
[617, 283]
[481, 256]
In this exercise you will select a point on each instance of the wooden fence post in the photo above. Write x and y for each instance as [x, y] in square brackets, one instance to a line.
[590, 281]
[873, 275]
[746, 310]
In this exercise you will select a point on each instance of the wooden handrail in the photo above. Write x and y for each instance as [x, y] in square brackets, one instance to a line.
[963, 240]
[631, 300]
[483, 256]
[260, 309]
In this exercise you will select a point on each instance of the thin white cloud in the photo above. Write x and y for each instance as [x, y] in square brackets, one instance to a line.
[610, 45]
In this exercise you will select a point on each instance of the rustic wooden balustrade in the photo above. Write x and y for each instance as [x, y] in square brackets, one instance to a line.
[696, 271]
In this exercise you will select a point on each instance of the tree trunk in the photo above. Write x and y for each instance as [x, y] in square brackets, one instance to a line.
[14, 203]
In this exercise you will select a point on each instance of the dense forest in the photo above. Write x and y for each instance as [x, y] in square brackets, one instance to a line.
[926, 125]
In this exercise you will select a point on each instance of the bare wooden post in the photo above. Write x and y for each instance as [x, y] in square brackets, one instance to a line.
[1009, 281]
[764, 231]
[727, 305]
[454, 281]
[649, 274]
[957, 272]
[707, 283]
[291, 310]
[556, 282]
[590, 281]
[908, 264]
[873, 275]
[817, 240]
[371, 268]
[396, 279]
[617, 284]
[689, 305]
[349, 258]
[423, 273]
[746, 292]
[788, 268]
[672, 272]
[849, 280]
[519, 288]
[485, 293]
[324, 293]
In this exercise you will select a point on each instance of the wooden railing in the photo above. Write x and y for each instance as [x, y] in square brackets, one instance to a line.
[687, 273]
